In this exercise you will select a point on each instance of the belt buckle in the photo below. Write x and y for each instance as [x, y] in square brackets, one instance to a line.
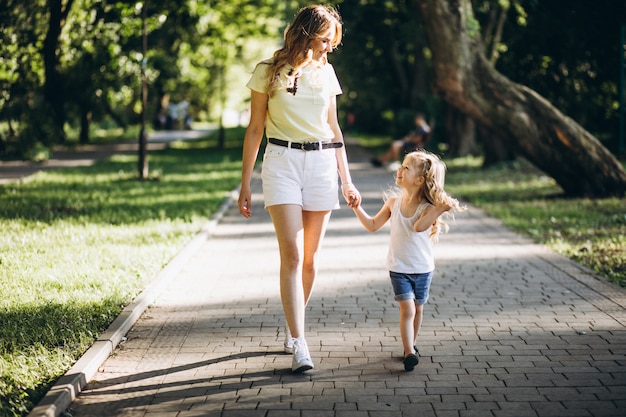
[311, 146]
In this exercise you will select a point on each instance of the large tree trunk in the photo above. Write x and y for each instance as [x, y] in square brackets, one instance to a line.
[460, 131]
[494, 149]
[526, 122]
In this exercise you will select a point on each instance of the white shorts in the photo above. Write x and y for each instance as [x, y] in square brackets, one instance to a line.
[305, 178]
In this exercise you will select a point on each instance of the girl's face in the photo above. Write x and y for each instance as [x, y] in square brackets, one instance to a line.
[322, 45]
[407, 176]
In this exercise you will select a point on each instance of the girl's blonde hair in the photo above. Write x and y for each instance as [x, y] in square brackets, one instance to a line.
[433, 170]
[310, 23]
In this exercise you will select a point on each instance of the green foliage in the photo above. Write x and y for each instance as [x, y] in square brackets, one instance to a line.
[78, 244]
[383, 65]
[197, 51]
[551, 48]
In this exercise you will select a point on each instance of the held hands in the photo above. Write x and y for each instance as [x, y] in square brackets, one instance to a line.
[351, 194]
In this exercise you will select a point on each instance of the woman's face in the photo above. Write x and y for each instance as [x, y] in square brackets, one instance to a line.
[322, 45]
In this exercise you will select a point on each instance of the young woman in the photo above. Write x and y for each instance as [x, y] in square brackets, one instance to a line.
[415, 223]
[294, 101]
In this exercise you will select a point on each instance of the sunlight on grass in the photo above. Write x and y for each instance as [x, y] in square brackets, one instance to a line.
[591, 232]
[79, 244]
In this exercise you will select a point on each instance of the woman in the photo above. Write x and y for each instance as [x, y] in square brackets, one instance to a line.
[293, 97]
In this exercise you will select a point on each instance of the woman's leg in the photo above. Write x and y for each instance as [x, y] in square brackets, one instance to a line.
[315, 223]
[299, 235]
[287, 219]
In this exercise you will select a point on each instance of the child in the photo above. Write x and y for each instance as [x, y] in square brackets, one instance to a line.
[414, 213]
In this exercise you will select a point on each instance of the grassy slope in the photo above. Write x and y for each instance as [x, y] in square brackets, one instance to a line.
[79, 244]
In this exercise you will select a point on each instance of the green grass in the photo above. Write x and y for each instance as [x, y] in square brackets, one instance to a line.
[77, 245]
[590, 232]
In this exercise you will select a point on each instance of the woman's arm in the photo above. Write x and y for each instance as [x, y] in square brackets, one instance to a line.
[251, 144]
[349, 191]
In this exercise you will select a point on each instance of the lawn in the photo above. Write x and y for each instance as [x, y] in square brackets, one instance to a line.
[591, 232]
[77, 245]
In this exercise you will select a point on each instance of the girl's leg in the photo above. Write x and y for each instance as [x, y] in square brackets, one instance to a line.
[417, 322]
[407, 329]
[287, 219]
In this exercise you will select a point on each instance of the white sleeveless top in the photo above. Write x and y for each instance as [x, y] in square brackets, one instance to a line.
[410, 252]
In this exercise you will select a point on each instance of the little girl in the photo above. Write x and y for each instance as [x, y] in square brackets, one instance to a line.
[414, 212]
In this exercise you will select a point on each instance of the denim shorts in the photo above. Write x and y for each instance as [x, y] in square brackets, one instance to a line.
[411, 286]
[305, 178]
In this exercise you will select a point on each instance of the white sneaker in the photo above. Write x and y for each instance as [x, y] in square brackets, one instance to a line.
[301, 358]
[288, 340]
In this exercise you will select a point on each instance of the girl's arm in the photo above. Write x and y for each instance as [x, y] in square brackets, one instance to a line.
[429, 217]
[251, 144]
[372, 224]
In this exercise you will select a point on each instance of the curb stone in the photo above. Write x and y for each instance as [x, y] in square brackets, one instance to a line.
[69, 386]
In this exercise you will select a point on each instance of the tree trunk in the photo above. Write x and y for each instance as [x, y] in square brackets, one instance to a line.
[526, 123]
[85, 122]
[53, 87]
[494, 149]
[460, 131]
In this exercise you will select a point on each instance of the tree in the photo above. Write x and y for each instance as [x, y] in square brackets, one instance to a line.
[550, 48]
[524, 120]
[382, 65]
[23, 27]
[71, 62]
[53, 85]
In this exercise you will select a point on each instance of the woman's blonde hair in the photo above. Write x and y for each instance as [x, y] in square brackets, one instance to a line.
[310, 23]
[433, 170]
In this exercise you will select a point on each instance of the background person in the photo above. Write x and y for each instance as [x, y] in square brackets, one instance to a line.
[415, 139]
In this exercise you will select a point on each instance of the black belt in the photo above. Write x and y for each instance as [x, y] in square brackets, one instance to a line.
[306, 146]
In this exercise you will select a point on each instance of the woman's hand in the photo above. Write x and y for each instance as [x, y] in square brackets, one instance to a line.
[245, 201]
[351, 194]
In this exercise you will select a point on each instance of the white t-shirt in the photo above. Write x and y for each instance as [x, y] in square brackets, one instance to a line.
[302, 116]
[410, 252]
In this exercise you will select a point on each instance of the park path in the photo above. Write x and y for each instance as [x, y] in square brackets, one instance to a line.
[85, 155]
[511, 329]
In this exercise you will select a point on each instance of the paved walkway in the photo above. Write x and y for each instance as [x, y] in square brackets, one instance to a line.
[84, 155]
[511, 329]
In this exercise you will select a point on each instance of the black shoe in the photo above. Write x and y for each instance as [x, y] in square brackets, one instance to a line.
[376, 162]
[410, 361]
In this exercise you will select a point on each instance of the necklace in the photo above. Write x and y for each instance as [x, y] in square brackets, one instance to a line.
[293, 89]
